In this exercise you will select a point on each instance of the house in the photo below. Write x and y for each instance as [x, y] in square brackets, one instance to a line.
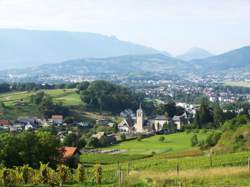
[180, 121]
[140, 125]
[27, 123]
[109, 138]
[70, 156]
[57, 119]
[159, 122]
[102, 121]
[126, 126]
[28, 127]
[84, 124]
[5, 124]
[128, 113]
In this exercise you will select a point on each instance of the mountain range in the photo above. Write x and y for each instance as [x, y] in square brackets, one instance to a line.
[61, 53]
[194, 53]
[238, 58]
[25, 48]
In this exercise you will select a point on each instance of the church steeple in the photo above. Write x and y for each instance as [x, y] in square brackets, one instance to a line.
[139, 119]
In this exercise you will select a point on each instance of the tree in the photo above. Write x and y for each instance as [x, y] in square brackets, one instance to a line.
[102, 95]
[115, 128]
[204, 114]
[37, 98]
[170, 109]
[217, 115]
[83, 85]
[81, 143]
[93, 142]
[212, 139]
[71, 140]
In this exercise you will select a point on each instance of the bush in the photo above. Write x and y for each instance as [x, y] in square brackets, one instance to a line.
[123, 137]
[162, 139]
[80, 172]
[98, 174]
[194, 140]
[64, 174]
[212, 139]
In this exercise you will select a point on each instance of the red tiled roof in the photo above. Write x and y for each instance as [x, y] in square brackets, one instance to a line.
[4, 122]
[68, 151]
[57, 117]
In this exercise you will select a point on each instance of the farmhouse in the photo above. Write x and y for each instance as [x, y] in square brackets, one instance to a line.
[126, 126]
[180, 121]
[4, 122]
[57, 119]
[70, 155]
[109, 138]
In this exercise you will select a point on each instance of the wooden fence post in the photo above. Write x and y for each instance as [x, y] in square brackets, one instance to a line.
[211, 160]
[248, 163]
[129, 165]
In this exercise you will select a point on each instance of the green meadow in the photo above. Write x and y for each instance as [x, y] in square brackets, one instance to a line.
[173, 143]
[66, 96]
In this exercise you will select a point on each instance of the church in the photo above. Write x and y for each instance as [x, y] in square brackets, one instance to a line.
[133, 126]
[138, 124]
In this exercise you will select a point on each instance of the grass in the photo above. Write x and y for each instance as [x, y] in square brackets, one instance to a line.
[109, 158]
[195, 177]
[173, 143]
[66, 96]
[238, 83]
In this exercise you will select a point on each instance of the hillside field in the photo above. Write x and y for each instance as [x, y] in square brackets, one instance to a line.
[238, 83]
[196, 168]
[66, 96]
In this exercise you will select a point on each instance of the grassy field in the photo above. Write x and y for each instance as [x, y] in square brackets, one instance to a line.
[238, 83]
[173, 143]
[66, 96]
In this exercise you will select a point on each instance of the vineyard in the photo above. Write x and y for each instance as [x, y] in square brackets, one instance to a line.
[160, 165]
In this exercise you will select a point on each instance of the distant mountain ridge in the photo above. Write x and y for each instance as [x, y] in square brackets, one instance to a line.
[195, 53]
[238, 58]
[117, 65]
[134, 64]
[25, 48]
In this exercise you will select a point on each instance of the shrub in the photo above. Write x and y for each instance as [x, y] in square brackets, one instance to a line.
[80, 172]
[194, 140]
[26, 172]
[44, 169]
[212, 139]
[9, 177]
[123, 137]
[162, 139]
[98, 174]
[64, 174]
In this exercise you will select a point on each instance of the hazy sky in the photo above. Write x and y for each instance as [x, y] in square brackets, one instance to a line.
[170, 25]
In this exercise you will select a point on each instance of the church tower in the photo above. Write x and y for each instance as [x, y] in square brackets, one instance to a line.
[139, 120]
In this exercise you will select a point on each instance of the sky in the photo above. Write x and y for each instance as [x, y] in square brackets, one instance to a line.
[168, 25]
